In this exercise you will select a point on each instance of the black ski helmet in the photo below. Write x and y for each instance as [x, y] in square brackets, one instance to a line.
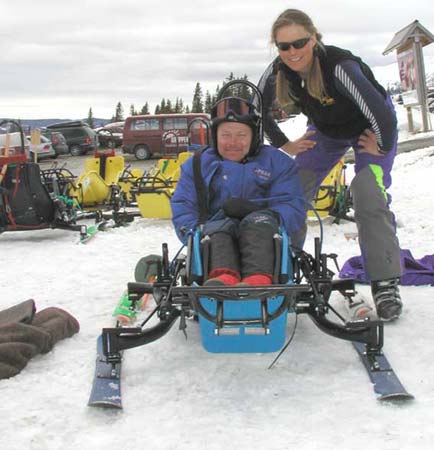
[235, 109]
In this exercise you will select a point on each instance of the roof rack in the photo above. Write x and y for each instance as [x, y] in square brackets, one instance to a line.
[71, 123]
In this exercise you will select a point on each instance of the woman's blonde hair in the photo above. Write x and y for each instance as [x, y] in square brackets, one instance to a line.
[314, 83]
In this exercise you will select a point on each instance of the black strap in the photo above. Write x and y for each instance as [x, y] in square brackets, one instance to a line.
[202, 196]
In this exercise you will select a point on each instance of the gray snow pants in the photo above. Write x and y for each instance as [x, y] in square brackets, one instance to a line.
[375, 222]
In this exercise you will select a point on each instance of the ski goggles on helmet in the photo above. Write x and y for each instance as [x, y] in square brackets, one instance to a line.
[298, 44]
[236, 107]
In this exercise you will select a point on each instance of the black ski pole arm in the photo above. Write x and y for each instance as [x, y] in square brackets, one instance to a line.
[117, 339]
[368, 331]
[315, 303]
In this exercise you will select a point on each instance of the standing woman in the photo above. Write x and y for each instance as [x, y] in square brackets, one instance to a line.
[346, 107]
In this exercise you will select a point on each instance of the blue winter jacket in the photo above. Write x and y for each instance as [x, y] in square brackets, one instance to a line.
[269, 179]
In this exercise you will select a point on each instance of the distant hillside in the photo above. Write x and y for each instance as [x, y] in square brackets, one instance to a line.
[30, 124]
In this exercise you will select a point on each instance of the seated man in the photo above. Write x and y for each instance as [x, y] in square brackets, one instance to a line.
[251, 190]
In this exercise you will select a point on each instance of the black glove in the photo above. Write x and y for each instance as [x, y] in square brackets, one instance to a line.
[238, 208]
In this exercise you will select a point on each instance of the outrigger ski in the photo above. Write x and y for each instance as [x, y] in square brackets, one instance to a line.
[386, 383]
[103, 221]
[178, 294]
[88, 232]
[106, 388]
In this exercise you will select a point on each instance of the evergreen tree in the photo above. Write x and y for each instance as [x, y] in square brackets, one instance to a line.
[214, 97]
[197, 104]
[89, 119]
[231, 91]
[244, 90]
[133, 112]
[157, 110]
[178, 106]
[169, 106]
[119, 114]
[208, 102]
[236, 90]
[145, 109]
[187, 109]
[162, 106]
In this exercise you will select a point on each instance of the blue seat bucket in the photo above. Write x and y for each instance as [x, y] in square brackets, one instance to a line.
[243, 338]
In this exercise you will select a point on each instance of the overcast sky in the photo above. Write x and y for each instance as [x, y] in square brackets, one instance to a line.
[59, 58]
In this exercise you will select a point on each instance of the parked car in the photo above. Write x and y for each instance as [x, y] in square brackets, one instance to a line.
[15, 144]
[110, 137]
[79, 136]
[43, 150]
[163, 134]
[58, 141]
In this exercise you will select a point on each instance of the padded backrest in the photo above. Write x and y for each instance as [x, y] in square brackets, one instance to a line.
[92, 164]
[113, 169]
[114, 166]
[28, 199]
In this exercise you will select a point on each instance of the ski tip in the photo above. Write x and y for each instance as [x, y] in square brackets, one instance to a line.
[105, 405]
[397, 397]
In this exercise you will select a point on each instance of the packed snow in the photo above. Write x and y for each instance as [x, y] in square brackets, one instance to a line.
[178, 396]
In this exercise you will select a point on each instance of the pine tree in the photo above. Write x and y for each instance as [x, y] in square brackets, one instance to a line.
[169, 106]
[208, 102]
[231, 91]
[119, 114]
[187, 109]
[132, 110]
[197, 104]
[215, 96]
[145, 109]
[157, 110]
[244, 90]
[178, 106]
[89, 119]
[163, 106]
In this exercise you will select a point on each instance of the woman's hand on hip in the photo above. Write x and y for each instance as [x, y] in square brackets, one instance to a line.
[300, 145]
[368, 142]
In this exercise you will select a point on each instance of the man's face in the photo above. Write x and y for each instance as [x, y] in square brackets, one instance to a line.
[233, 140]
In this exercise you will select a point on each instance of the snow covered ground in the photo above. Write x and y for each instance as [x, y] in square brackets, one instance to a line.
[177, 396]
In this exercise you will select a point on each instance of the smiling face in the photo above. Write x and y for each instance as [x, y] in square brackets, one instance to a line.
[233, 140]
[298, 60]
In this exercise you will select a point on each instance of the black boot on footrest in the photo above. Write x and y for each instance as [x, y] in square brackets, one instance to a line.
[387, 299]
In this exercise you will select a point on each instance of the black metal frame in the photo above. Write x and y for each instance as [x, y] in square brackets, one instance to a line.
[175, 299]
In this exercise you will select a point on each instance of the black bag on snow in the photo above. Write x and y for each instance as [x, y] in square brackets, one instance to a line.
[28, 199]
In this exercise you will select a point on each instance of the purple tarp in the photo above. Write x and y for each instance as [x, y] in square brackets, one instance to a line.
[414, 271]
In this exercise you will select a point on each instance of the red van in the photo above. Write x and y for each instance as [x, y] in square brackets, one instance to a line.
[162, 134]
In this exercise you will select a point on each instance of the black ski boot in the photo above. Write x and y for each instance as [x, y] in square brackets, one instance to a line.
[387, 299]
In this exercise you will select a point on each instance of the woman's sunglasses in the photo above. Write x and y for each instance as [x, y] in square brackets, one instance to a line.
[299, 43]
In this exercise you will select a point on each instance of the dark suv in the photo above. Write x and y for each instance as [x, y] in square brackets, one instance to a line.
[79, 136]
